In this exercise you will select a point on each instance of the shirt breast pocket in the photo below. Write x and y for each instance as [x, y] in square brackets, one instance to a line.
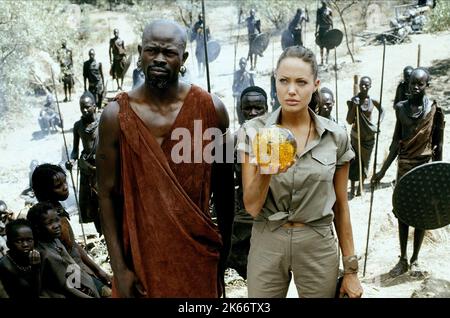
[323, 164]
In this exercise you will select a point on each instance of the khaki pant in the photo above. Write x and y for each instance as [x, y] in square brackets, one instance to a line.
[307, 253]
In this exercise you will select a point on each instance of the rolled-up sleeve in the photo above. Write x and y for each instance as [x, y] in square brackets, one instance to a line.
[243, 142]
[345, 151]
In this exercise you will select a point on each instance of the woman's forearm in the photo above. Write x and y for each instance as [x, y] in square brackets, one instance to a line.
[257, 189]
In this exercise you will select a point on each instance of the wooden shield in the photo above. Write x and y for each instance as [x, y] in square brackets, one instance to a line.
[213, 50]
[422, 196]
[260, 43]
[330, 39]
[287, 39]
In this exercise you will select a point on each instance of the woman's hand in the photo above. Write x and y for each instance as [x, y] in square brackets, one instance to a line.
[274, 168]
[351, 286]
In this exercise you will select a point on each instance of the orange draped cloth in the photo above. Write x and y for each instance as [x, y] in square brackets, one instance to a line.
[169, 239]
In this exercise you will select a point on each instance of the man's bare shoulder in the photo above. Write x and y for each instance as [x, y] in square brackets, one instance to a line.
[222, 114]
[110, 114]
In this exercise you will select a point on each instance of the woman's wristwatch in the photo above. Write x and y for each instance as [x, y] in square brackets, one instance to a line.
[350, 264]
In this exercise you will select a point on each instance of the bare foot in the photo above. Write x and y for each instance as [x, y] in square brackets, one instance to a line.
[400, 268]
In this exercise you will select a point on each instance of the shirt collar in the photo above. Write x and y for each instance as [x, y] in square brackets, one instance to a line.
[320, 122]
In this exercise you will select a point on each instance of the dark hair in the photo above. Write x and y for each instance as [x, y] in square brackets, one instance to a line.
[35, 213]
[42, 180]
[12, 226]
[326, 90]
[255, 89]
[87, 94]
[307, 56]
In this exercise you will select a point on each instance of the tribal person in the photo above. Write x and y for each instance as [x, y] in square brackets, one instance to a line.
[254, 104]
[417, 139]
[64, 56]
[117, 58]
[368, 129]
[197, 35]
[296, 26]
[86, 129]
[326, 104]
[402, 91]
[154, 206]
[324, 23]
[241, 80]
[253, 29]
[93, 73]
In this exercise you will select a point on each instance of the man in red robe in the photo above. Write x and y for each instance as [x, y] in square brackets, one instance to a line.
[154, 209]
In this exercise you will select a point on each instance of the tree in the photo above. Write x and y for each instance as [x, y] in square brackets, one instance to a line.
[27, 27]
[341, 6]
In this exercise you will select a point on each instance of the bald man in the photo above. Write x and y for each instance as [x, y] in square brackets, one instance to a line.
[154, 206]
[417, 139]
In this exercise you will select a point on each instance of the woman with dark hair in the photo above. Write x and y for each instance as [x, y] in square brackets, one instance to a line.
[294, 206]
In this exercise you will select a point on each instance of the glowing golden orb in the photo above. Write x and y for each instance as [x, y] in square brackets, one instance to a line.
[274, 146]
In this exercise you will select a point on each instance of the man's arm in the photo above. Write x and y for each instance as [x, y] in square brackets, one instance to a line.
[85, 75]
[223, 186]
[379, 108]
[393, 152]
[108, 170]
[100, 69]
[110, 51]
[437, 139]
[351, 113]
[76, 142]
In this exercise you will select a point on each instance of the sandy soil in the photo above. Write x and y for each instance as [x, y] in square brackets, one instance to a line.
[24, 143]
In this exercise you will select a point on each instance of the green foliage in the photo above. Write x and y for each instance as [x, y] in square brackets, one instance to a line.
[439, 19]
[27, 28]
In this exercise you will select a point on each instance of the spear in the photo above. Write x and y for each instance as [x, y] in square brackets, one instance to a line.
[336, 81]
[355, 92]
[67, 153]
[205, 42]
[372, 185]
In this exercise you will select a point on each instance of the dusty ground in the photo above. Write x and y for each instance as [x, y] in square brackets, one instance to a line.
[23, 143]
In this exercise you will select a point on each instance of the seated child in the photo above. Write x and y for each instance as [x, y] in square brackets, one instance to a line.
[20, 268]
[62, 274]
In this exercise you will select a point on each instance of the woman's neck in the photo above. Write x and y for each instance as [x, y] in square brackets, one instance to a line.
[295, 120]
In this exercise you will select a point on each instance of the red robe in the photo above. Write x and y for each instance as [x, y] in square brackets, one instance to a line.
[169, 239]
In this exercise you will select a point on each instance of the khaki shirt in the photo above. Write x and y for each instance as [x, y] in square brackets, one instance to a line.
[305, 192]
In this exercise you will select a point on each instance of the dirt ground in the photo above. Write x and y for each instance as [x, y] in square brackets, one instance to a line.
[24, 143]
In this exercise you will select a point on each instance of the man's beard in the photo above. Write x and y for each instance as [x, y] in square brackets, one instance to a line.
[160, 82]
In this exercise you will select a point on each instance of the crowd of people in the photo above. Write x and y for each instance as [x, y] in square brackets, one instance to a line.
[152, 199]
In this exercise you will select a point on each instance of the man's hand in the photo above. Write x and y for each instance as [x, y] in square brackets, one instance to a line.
[351, 286]
[104, 277]
[355, 100]
[69, 165]
[128, 285]
[377, 177]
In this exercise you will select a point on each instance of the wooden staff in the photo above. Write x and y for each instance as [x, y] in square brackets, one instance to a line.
[205, 46]
[372, 186]
[418, 54]
[358, 128]
[67, 153]
[336, 81]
